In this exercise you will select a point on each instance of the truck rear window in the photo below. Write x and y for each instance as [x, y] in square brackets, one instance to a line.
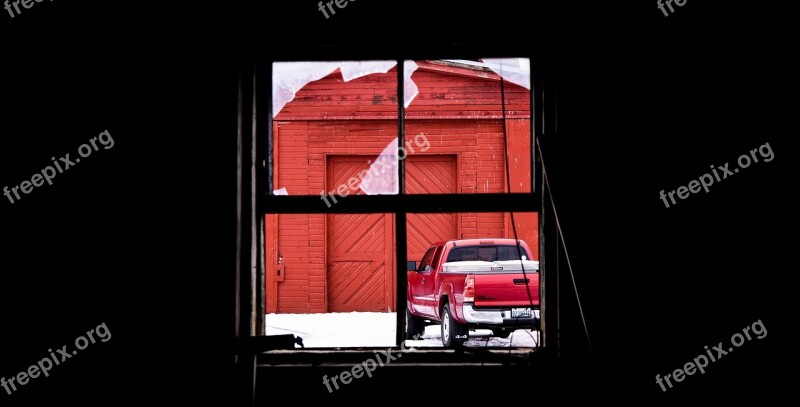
[486, 253]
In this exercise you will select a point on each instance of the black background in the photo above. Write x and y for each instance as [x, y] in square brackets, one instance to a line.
[141, 236]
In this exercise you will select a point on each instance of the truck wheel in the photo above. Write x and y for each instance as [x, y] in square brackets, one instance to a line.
[414, 325]
[501, 333]
[452, 328]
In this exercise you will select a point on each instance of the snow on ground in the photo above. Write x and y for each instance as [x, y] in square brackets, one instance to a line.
[337, 329]
[354, 329]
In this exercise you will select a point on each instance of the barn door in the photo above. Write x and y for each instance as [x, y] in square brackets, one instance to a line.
[430, 174]
[359, 258]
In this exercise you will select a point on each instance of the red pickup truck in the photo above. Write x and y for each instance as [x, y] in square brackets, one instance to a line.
[471, 284]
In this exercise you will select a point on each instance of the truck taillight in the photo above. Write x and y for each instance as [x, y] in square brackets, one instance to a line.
[469, 289]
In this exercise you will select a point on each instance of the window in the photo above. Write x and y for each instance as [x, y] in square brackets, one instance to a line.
[367, 163]
[487, 253]
[427, 259]
[437, 256]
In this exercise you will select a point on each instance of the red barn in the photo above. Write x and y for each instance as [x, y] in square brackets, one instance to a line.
[333, 130]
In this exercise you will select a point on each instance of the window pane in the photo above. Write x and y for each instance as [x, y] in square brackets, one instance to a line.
[488, 253]
[455, 137]
[335, 128]
[483, 244]
[330, 279]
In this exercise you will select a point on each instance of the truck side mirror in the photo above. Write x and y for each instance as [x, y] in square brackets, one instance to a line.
[411, 266]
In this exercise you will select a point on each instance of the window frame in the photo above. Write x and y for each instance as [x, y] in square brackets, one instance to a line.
[259, 100]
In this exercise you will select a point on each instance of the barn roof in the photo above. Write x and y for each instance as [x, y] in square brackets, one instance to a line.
[291, 77]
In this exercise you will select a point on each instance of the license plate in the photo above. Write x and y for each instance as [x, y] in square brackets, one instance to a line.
[520, 312]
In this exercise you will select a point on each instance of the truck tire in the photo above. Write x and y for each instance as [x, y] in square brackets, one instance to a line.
[452, 328]
[414, 326]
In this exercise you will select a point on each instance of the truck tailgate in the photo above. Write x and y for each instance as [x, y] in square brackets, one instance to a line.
[501, 284]
[506, 290]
